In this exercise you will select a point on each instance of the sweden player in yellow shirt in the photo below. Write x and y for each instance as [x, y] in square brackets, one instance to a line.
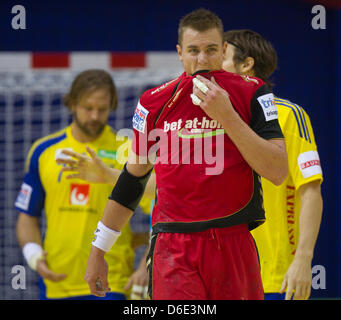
[72, 206]
[293, 210]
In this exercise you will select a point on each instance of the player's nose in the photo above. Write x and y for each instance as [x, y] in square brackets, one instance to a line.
[202, 58]
[94, 115]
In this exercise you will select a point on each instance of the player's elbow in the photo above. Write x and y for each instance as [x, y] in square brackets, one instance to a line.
[279, 178]
[280, 173]
[280, 167]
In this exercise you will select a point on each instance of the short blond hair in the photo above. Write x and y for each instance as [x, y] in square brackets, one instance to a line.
[200, 20]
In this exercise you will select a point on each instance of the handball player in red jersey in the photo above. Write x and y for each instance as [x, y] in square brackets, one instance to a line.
[209, 135]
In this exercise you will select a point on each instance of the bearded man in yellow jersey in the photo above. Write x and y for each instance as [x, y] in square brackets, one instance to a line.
[293, 210]
[73, 207]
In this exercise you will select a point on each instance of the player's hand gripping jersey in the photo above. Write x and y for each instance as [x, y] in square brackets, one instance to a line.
[202, 179]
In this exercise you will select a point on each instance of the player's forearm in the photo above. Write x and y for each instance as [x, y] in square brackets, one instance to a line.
[115, 216]
[109, 228]
[267, 157]
[28, 230]
[310, 219]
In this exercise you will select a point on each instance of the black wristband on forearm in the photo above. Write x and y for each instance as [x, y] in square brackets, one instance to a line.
[129, 189]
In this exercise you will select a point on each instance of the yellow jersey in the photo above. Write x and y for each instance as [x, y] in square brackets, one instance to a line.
[277, 238]
[73, 208]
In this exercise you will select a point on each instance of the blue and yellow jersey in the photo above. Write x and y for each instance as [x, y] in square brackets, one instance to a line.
[73, 208]
[277, 238]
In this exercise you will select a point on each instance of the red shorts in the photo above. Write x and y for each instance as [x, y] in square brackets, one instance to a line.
[217, 264]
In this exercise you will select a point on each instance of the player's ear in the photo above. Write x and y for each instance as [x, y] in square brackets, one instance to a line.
[179, 50]
[247, 65]
[72, 108]
[224, 47]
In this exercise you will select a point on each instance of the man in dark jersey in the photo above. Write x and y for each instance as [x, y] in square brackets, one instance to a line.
[201, 247]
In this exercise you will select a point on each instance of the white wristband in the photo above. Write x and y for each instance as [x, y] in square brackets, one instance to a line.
[32, 252]
[104, 237]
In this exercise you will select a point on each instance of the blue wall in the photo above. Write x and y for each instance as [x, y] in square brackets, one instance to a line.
[308, 70]
[336, 156]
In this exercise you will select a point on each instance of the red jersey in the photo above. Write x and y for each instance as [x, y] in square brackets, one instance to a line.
[201, 177]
